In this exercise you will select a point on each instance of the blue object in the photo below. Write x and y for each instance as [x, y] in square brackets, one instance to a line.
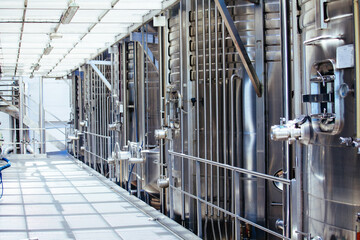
[2, 168]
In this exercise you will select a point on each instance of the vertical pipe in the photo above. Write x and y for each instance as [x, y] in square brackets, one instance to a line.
[191, 118]
[296, 221]
[224, 121]
[147, 90]
[205, 102]
[357, 65]
[124, 96]
[171, 182]
[21, 115]
[198, 170]
[161, 79]
[181, 110]
[217, 117]
[211, 107]
[286, 76]
[235, 177]
[41, 116]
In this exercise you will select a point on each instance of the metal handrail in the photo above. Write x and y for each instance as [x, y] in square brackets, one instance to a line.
[231, 214]
[232, 168]
[97, 135]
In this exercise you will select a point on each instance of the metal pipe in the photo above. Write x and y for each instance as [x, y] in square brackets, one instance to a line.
[197, 165]
[286, 76]
[235, 176]
[147, 90]
[211, 107]
[42, 116]
[224, 121]
[217, 116]
[124, 95]
[182, 112]
[357, 64]
[161, 80]
[205, 101]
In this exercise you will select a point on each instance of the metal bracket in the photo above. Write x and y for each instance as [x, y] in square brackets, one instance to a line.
[102, 77]
[229, 23]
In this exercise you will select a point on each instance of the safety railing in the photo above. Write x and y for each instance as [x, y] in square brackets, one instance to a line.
[234, 211]
[31, 141]
[97, 148]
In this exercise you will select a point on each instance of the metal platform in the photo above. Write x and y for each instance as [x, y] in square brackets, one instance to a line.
[59, 198]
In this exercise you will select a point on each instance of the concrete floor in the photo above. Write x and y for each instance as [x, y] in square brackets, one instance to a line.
[56, 198]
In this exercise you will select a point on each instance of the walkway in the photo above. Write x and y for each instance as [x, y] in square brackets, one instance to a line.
[58, 198]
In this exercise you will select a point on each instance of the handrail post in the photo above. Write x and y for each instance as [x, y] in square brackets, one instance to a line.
[42, 116]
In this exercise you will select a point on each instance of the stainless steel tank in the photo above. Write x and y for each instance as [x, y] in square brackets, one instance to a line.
[331, 176]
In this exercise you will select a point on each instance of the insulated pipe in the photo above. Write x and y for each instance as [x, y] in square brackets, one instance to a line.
[357, 64]
[286, 77]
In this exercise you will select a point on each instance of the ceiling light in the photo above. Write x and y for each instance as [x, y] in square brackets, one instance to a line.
[55, 36]
[69, 14]
[48, 49]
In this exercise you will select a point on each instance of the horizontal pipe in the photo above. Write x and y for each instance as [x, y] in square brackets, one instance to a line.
[231, 168]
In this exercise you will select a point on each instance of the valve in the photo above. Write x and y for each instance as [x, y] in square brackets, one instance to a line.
[163, 182]
[297, 129]
[161, 133]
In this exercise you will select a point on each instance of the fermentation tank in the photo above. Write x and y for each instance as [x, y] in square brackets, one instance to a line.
[330, 169]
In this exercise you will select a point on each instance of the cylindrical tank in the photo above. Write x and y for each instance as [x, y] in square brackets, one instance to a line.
[331, 176]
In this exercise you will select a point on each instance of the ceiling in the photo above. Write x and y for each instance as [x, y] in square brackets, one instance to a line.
[27, 27]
